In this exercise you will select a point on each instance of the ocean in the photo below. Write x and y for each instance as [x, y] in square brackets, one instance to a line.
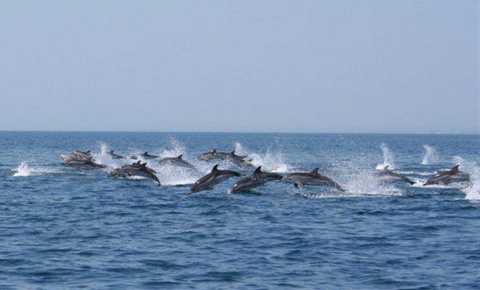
[70, 228]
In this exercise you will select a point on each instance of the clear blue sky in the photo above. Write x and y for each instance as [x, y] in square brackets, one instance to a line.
[295, 66]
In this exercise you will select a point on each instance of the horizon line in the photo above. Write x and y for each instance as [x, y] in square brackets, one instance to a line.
[239, 132]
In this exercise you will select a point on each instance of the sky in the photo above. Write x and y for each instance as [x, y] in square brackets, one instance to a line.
[409, 66]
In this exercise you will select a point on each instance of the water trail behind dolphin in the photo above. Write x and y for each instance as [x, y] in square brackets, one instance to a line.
[431, 155]
[270, 161]
[388, 158]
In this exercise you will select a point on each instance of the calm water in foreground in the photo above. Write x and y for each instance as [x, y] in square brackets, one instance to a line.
[62, 228]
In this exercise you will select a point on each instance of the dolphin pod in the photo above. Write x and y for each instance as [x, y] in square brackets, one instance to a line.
[136, 169]
[81, 158]
[85, 159]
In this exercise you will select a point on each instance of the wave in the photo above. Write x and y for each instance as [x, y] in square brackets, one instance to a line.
[388, 158]
[431, 155]
[270, 161]
[24, 170]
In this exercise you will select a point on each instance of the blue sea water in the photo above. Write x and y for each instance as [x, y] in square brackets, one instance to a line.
[64, 228]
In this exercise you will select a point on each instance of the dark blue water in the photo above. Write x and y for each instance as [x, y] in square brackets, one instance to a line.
[62, 228]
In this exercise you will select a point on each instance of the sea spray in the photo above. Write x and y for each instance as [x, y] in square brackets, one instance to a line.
[175, 149]
[23, 170]
[367, 183]
[270, 161]
[104, 158]
[388, 158]
[431, 155]
[472, 191]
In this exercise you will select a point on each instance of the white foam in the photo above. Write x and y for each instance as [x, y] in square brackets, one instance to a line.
[388, 158]
[431, 155]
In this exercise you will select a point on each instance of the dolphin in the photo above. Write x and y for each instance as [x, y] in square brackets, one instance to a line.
[215, 177]
[258, 178]
[213, 154]
[80, 158]
[299, 179]
[136, 169]
[447, 177]
[387, 172]
[177, 161]
[146, 155]
[115, 155]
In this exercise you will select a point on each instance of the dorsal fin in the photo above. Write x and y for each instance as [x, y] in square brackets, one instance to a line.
[455, 168]
[315, 171]
[213, 151]
[386, 167]
[145, 153]
[233, 152]
[258, 170]
[180, 156]
[215, 168]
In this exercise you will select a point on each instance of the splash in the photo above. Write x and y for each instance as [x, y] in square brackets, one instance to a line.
[270, 161]
[176, 148]
[388, 158]
[173, 176]
[104, 158]
[24, 170]
[472, 192]
[431, 155]
[367, 183]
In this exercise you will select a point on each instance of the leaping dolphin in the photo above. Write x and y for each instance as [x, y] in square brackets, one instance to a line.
[177, 161]
[299, 179]
[215, 177]
[447, 177]
[258, 178]
[136, 169]
[387, 172]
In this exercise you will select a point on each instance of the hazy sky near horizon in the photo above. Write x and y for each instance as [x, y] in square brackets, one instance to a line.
[270, 65]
